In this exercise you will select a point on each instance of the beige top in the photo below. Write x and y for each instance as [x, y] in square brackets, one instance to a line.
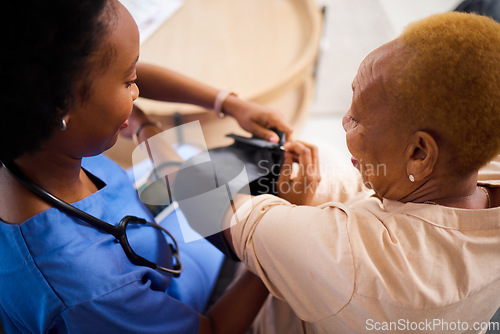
[367, 265]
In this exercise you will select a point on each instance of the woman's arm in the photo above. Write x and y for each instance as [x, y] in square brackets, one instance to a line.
[297, 187]
[158, 83]
[235, 311]
[162, 84]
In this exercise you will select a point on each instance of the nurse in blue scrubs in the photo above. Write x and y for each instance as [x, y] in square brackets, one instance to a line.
[70, 79]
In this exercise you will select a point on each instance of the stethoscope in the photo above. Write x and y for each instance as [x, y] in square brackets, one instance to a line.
[119, 232]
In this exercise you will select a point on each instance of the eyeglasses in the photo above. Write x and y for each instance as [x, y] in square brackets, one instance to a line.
[119, 231]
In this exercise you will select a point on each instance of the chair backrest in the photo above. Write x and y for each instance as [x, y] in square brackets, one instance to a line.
[490, 8]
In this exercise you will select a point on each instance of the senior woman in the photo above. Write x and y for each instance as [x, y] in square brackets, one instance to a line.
[420, 250]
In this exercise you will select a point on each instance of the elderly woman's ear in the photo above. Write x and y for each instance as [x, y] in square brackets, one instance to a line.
[422, 155]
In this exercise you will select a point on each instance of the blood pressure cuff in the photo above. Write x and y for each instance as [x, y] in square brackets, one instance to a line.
[206, 183]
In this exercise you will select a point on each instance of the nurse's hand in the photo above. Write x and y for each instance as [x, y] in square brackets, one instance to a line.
[298, 185]
[257, 119]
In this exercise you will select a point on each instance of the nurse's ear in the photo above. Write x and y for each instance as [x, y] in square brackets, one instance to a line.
[422, 155]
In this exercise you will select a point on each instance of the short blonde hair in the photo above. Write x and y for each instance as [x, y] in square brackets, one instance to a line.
[448, 83]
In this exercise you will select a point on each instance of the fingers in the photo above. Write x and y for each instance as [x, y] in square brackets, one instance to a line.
[266, 119]
[307, 157]
[286, 168]
[264, 133]
[277, 121]
[259, 119]
[299, 188]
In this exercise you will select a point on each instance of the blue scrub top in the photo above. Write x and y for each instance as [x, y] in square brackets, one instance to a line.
[60, 274]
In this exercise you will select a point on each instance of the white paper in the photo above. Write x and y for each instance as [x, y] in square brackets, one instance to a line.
[151, 14]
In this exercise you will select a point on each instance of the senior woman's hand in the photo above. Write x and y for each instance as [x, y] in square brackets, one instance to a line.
[257, 119]
[299, 186]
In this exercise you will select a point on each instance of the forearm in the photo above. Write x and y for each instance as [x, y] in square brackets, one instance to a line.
[158, 83]
[235, 311]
